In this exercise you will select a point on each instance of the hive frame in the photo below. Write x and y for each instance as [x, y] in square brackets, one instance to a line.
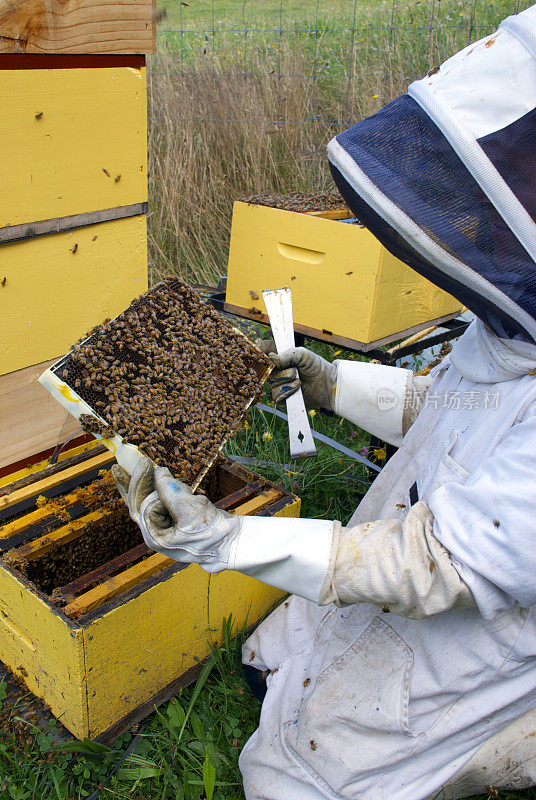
[127, 455]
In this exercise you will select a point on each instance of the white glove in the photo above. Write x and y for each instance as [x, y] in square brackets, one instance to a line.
[301, 367]
[290, 553]
[173, 521]
[135, 489]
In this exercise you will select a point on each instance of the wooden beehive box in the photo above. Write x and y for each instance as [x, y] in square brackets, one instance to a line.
[346, 287]
[132, 631]
[73, 170]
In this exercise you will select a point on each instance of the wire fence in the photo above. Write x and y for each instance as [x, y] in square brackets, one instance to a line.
[336, 41]
[245, 94]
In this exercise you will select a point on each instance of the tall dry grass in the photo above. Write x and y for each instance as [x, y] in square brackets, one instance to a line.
[253, 123]
[217, 135]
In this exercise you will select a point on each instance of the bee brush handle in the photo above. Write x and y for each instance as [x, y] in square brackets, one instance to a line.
[278, 304]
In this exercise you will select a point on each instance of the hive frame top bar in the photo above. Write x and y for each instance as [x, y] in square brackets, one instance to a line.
[127, 455]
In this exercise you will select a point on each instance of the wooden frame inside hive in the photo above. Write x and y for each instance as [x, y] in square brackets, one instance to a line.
[142, 628]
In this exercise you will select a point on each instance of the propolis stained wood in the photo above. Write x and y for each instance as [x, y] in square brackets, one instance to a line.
[345, 285]
[74, 141]
[60, 285]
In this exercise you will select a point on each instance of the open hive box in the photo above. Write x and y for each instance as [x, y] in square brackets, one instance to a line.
[95, 624]
[347, 289]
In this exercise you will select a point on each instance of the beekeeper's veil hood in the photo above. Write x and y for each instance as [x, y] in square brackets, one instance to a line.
[445, 176]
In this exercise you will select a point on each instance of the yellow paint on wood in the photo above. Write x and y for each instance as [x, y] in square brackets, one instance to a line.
[35, 489]
[343, 281]
[39, 515]
[60, 286]
[62, 535]
[74, 141]
[40, 465]
[95, 673]
[77, 26]
[39, 646]
[117, 584]
[172, 623]
[342, 213]
[176, 623]
[257, 503]
[291, 509]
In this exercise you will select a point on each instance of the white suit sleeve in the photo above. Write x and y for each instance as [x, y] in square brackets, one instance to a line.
[488, 523]
[289, 553]
[398, 565]
[382, 400]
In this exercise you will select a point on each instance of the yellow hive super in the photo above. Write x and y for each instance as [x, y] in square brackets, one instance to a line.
[84, 135]
[92, 676]
[344, 283]
[115, 662]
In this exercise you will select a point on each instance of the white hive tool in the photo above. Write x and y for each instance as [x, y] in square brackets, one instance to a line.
[278, 304]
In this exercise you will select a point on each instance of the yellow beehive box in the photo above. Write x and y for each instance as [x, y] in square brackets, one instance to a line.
[107, 669]
[73, 242]
[84, 135]
[60, 285]
[346, 287]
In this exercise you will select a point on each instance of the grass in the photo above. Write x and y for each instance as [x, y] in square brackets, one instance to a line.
[206, 14]
[186, 750]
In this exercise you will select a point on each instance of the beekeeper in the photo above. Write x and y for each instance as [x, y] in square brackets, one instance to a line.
[405, 662]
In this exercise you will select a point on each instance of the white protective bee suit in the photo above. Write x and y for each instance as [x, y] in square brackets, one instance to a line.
[408, 661]
[422, 674]
[392, 699]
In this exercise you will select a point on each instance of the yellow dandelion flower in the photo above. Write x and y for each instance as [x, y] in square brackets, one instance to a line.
[379, 453]
[374, 96]
[337, 352]
[312, 413]
[267, 436]
[247, 425]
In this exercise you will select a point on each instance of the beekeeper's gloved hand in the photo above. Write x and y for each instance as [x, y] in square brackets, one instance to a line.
[173, 521]
[289, 553]
[300, 367]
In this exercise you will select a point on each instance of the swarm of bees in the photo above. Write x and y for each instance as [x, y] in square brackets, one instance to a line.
[299, 201]
[101, 540]
[170, 376]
